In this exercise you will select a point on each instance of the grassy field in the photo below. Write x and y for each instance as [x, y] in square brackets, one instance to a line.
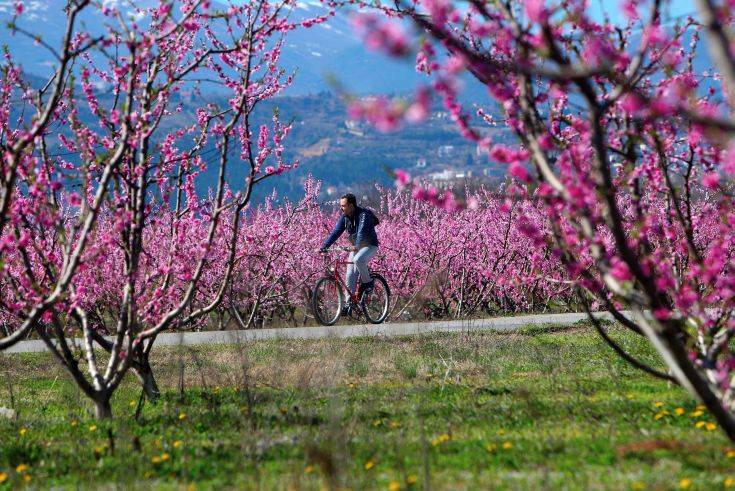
[540, 408]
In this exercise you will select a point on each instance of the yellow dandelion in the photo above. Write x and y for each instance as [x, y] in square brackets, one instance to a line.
[440, 439]
[308, 469]
[191, 487]
[92, 427]
[27, 478]
[700, 407]
[21, 468]
[697, 413]
[3, 477]
[217, 390]
[658, 404]
[178, 443]
[350, 385]
[156, 459]
[394, 486]
[133, 403]
[165, 457]
[182, 416]
[658, 416]
[507, 445]
[376, 422]
[637, 485]
[490, 447]
[395, 424]
[369, 465]
[730, 454]
[710, 426]
[685, 483]
[23, 431]
[73, 422]
[679, 411]
[700, 424]
[729, 482]
[501, 432]
[411, 480]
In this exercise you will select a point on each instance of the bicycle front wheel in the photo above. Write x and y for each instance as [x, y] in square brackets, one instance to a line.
[376, 303]
[326, 301]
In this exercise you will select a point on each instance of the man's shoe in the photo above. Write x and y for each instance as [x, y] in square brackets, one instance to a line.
[346, 309]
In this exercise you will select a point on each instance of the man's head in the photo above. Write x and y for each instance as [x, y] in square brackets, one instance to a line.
[348, 203]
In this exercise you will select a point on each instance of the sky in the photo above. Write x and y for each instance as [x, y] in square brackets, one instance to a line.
[675, 8]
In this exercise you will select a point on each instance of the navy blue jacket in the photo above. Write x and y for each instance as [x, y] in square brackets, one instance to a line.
[361, 228]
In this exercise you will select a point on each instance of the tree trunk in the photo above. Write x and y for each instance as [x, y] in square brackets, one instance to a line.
[145, 374]
[102, 408]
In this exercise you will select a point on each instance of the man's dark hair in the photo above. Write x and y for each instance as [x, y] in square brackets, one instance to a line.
[350, 198]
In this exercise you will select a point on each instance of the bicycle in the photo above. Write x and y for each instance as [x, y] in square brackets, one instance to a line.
[330, 291]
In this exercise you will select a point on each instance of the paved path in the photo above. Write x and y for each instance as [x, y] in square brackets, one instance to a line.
[346, 331]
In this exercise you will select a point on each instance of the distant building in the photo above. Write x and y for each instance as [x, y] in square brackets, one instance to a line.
[353, 128]
[445, 175]
[445, 150]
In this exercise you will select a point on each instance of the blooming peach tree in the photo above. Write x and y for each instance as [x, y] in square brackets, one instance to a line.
[622, 135]
[103, 236]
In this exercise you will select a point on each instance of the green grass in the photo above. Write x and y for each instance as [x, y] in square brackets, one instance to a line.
[542, 408]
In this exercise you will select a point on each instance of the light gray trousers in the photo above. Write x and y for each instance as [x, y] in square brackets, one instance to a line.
[360, 260]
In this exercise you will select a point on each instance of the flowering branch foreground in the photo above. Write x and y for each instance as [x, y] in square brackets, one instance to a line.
[624, 142]
[108, 236]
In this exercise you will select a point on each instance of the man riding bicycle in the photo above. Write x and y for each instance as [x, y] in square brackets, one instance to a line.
[360, 225]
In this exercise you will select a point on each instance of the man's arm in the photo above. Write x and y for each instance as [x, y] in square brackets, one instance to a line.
[361, 224]
[339, 227]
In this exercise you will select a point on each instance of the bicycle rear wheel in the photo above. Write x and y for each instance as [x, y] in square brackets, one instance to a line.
[376, 303]
[326, 301]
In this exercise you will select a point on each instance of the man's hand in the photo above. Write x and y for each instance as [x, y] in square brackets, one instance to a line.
[353, 249]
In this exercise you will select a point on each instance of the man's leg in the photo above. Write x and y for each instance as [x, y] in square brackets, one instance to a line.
[351, 274]
[362, 258]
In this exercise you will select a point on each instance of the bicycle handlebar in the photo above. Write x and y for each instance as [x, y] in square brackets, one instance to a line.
[338, 249]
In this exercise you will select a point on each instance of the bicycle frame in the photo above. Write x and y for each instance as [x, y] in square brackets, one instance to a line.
[335, 272]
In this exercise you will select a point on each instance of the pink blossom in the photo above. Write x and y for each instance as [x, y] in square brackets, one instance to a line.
[631, 103]
[402, 178]
[711, 180]
[420, 109]
[655, 35]
[619, 270]
[381, 35]
[75, 199]
[536, 11]
[518, 171]
[630, 9]
[506, 155]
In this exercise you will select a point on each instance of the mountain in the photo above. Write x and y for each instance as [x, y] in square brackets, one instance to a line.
[344, 154]
[315, 54]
